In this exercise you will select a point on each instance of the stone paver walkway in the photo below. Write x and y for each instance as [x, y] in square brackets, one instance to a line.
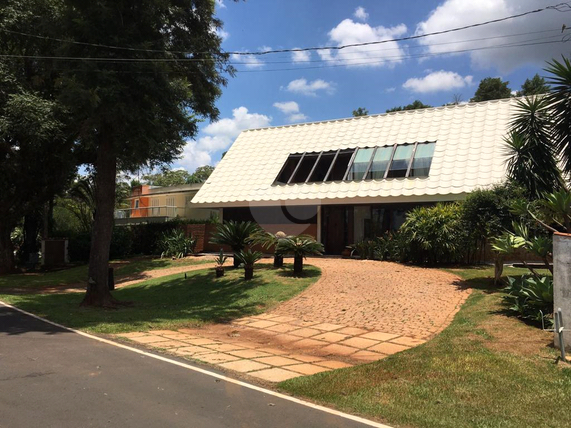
[357, 312]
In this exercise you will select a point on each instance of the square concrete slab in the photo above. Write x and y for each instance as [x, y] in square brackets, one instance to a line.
[327, 326]
[201, 341]
[191, 350]
[283, 328]
[250, 353]
[359, 342]
[277, 361]
[283, 319]
[352, 331]
[408, 341]
[388, 348]
[367, 356]
[169, 344]
[285, 338]
[133, 334]
[274, 375]
[305, 332]
[377, 335]
[216, 358]
[150, 339]
[331, 337]
[305, 358]
[333, 364]
[224, 347]
[262, 324]
[244, 366]
[308, 369]
[339, 350]
[310, 343]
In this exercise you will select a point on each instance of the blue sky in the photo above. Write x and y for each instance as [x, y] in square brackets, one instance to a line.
[375, 77]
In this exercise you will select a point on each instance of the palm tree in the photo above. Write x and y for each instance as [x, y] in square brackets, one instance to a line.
[248, 259]
[268, 240]
[300, 247]
[234, 234]
[532, 160]
[560, 108]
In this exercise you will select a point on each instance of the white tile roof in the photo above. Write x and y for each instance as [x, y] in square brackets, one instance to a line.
[469, 154]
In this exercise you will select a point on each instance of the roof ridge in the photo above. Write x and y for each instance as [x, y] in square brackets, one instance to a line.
[415, 111]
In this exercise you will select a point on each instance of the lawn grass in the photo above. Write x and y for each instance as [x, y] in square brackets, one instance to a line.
[485, 370]
[78, 274]
[173, 301]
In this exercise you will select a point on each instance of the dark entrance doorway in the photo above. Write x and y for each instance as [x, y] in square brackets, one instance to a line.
[334, 232]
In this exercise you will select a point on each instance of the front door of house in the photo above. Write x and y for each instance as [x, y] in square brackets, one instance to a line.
[334, 232]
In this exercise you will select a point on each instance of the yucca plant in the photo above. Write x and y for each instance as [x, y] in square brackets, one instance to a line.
[248, 258]
[175, 243]
[300, 247]
[268, 240]
[220, 263]
[234, 234]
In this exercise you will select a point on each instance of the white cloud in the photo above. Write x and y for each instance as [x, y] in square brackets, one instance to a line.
[300, 56]
[220, 4]
[222, 34]
[249, 61]
[303, 87]
[291, 110]
[348, 32]
[437, 81]
[458, 13]
[219, 136]
[287, 107]
[361, 14]
[391, 89]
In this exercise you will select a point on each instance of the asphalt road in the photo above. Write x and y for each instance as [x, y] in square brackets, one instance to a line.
[51, 377]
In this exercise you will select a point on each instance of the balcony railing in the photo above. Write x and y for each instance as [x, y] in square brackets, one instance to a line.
[166, 211]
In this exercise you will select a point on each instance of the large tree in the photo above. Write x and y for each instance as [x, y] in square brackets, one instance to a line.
[35, 144]
[534, 86]
[492, 88]
[158, 70]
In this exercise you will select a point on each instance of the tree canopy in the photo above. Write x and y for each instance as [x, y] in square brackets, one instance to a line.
[413, 106]
[361, 111]
[492, 88]
[534, 86]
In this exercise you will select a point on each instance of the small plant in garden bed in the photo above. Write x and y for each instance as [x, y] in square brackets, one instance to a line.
[234, 234]
[530, 297]
[248, 258]
[176, 244]
[220, 264]
[268, 240]
[300, 247]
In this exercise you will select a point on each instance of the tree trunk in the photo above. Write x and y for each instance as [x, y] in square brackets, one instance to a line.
[236, 261]
[30, 246]
[97, 284]
[6, 249]
[278, 261]
[297, 265]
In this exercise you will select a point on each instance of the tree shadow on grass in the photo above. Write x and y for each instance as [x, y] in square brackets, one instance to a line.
[197, 299]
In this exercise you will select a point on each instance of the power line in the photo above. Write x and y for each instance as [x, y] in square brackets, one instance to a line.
[560, 7]
[190, 60]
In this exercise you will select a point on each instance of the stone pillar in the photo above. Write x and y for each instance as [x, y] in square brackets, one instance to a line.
[562, 282]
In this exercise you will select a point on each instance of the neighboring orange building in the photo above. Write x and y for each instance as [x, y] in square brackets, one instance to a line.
[157, 204]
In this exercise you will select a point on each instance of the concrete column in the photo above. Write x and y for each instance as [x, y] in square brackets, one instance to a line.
[562, 282]
[318, 237]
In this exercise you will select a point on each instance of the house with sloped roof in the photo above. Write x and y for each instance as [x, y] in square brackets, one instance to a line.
[348, 179]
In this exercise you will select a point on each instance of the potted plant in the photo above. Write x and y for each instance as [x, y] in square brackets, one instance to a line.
[268, 240]
[248, 258]
[220, 264]
[300, 247]
[234, 234]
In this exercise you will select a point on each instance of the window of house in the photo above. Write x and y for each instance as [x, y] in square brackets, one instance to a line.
[136, 204]
[422, 160]
[380, 163]
[288, 168]
[401, 161]
[367, 163]
[340, 166]
[304, 168]
[322, 167]
[360, 164]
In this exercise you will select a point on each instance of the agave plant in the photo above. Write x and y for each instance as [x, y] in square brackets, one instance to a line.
[300, 247]
[530, 296]
[248, 258]
[234, 234]
[268, 240]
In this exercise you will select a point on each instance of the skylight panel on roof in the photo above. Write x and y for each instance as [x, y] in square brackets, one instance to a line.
[366, 163]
